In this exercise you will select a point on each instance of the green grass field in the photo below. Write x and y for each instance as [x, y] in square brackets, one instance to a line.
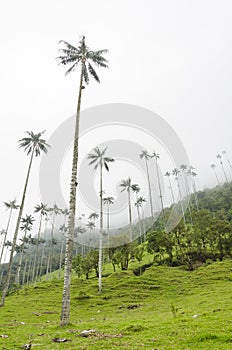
[164, 308]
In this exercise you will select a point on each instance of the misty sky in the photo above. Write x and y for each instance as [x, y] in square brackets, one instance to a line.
[171, 57]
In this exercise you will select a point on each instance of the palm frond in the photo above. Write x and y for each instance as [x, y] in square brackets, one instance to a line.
[93, 73]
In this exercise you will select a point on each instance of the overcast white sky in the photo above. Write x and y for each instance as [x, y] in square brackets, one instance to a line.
[172, 57]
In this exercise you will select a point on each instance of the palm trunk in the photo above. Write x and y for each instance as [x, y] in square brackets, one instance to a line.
[216, 177]
[139, 222]
[160, 192]
[223, 169]
[100, 235]
[65, 311]
[108, 231]
[4, 240]
[171, 189]
[36, 250]
[130, 216]
[7, 283]
[17, 277]
[61, 254]
[149, 189]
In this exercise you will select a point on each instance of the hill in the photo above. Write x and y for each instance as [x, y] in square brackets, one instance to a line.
[164, 308]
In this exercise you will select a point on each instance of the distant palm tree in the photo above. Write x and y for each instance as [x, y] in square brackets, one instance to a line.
[129, 187]
[33, 144]
[138, 205]
[11, 205]
[74, 56]
[108, 201]
[42, 209]
[213, 166]
[168, 174]
[26, 226]
[156, 156]
[219, 157]
[98, 159]
[146, 156]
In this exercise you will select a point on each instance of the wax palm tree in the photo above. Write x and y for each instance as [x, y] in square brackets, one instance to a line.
[138, 205]
[157, 156]
[219, 157]
[99, 159]
[34, 145]
[213, 167]
[11, 205]
[41, 209]
[26, 226]
[108, 201]
[146, 156]
[129, 187]
[168, 174]
[84, 57]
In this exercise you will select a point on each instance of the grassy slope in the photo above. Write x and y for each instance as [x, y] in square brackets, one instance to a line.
[206, 292]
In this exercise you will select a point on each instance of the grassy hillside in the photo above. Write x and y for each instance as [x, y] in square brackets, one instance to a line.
[164, 308]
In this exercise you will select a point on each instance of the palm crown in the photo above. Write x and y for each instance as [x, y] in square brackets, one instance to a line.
[71, 55]
[34, 143]
[98, 158]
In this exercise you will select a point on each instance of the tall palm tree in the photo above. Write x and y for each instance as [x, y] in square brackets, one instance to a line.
[42, 209]
[213, 167]
[157, 156]
[94, 216]
[219, 157]
[71, 55]
[11, 205]
[146, 156]
[129, 187]
[34, 145]
[99, 159]
[108, 201]
[168, 174]
[26, 226]
[138, 204]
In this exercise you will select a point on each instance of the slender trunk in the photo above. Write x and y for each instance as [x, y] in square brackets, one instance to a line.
[171, 189]
[108, 231]
[100, 235]
[216, 177]
[36, 250]
[223, 169]
[65, 311]
[160, 192]
[181, 205]
[140, 228]
[7, 283]
[52, 240]
[61, 254]
[24, 270]
[39, 272]
[149, 189]
[130, 216]
[4, 240]
[20, 260]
